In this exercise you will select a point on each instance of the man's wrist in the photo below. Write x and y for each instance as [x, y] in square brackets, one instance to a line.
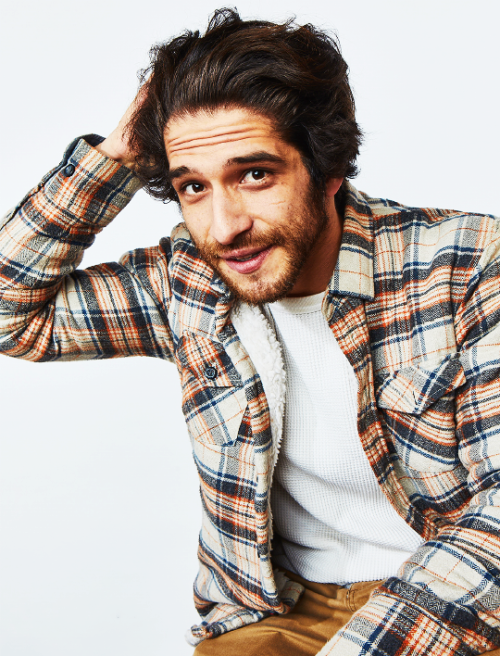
[116, 147]
[109, 148]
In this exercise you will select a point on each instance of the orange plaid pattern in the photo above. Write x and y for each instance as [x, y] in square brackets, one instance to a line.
[414, 303]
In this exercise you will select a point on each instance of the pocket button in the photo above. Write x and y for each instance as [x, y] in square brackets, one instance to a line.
[211, 373]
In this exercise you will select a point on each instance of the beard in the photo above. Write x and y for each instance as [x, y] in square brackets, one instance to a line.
[297, 240]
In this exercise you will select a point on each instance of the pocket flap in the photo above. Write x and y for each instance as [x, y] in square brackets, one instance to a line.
[207, 362]
[413, 389]
[215, 417]
[213, 396]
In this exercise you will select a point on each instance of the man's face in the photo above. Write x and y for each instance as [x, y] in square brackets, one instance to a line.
[248, 202]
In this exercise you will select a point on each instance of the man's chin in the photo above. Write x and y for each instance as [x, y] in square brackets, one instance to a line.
[256, 290]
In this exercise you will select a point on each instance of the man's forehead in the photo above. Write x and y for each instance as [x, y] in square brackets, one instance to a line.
[205, 131]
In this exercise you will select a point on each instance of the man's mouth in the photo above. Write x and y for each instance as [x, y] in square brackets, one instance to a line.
[246, 260]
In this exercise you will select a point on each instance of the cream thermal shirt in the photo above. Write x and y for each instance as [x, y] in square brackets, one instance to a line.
[335, 523]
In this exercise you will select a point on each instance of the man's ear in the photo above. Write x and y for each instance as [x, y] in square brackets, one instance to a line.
[332, 186]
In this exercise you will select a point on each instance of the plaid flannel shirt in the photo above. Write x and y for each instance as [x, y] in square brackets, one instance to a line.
[414, 304]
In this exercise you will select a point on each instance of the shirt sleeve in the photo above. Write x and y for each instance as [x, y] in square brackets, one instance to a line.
[51, 310]
[445, 600]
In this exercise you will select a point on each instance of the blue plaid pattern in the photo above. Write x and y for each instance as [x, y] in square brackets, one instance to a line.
[414, 303]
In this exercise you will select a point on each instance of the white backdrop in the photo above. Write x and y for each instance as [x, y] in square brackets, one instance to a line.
[99, 501]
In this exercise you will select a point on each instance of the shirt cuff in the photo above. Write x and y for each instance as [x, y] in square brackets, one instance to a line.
[87, 187]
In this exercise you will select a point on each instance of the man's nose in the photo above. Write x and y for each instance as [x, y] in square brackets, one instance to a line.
[229, 217]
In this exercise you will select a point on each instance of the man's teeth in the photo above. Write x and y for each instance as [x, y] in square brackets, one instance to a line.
[247, 257]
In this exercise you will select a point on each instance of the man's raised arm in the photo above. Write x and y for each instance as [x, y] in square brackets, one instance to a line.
[49, 309]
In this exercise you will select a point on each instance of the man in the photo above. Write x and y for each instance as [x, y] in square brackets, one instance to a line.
[380, 323]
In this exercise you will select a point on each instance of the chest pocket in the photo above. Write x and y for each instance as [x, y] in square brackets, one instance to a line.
[213, 398]
[418, 409]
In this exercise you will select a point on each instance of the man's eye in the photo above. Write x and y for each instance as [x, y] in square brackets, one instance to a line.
[255, 175]
[193, 188]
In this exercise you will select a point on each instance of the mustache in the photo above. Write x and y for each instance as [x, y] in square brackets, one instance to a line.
[276, 237]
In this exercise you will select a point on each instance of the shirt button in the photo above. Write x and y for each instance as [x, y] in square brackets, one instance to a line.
[211, 373]
[69, 170]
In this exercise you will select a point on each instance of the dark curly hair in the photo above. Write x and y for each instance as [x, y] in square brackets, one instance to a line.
[293, 74]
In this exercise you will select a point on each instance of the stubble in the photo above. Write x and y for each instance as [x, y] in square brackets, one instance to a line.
[297, 241]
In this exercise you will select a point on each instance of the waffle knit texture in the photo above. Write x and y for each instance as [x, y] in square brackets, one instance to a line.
[335, 523]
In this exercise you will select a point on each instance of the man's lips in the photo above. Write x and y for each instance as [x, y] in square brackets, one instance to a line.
[246, 260]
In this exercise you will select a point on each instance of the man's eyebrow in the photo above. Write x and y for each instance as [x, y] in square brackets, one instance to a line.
[255, 158]
[258, 157]
[176, 173]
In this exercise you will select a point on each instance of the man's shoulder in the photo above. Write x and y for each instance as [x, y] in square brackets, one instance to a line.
[384, 210]
[183, 251]
[174, 260]
[188, 268]
[424, 233]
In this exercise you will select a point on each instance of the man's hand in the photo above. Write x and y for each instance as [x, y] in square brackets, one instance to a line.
[116, 145]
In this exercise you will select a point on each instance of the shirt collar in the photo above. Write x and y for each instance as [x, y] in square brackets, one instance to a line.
[353, 274]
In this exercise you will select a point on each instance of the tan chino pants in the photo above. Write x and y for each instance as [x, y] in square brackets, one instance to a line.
[320, 612]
